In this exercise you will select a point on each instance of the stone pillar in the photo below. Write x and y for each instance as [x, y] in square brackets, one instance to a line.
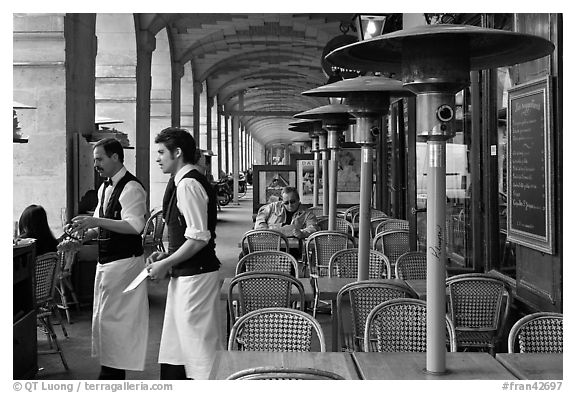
[226, 142]
[80, 60]
[236, 146]
[146, 44]
[209, 105]
[177, 74]
[196, 111]
[219, 138]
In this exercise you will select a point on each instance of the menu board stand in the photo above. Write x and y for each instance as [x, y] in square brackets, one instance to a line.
[529, 169]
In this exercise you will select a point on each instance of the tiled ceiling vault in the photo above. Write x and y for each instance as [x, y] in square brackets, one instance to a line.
[270, 58]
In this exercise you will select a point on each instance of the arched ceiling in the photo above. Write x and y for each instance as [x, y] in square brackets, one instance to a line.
[269, 58]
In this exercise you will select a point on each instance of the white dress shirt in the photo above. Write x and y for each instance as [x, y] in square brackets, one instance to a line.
[193, 204]
[132, 198]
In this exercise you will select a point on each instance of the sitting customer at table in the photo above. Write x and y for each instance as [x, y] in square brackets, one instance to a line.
[287, 216]
[33, 224]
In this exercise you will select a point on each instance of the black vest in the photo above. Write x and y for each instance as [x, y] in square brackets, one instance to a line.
[205, 260]
[112, 245]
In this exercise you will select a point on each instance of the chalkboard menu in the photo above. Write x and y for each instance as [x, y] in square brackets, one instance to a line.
[530, 209]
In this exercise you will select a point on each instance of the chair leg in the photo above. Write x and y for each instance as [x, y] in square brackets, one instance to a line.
[55, 311]
[50, 329]
[61, 291]
[70, 289]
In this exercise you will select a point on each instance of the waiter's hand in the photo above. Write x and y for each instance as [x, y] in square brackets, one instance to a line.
[158, 270]
[155, 256]
[83, 223]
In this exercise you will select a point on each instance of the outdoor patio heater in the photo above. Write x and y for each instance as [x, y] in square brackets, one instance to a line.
[335, 120]
[314, 130]
[435, 62]
[369, 99]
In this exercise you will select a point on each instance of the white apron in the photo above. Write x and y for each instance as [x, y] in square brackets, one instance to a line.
[120, 320]
[191, 331]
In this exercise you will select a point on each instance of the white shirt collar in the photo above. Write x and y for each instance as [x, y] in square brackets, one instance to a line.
[181, 172]
[119, 175]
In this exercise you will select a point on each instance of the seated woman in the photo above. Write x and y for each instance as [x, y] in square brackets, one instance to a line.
[33, 224]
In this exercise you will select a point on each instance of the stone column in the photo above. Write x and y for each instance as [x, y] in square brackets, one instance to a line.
[146, 44]
[196, 111]
[177, 74]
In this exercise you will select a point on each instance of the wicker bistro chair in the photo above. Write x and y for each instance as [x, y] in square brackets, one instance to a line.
[478, 305]
[541, 332]
[374, 225]
[317, 210]
[349, 213]
[283, 373]
[341, 225]
[392, 224]
[276, 329]
[363, 297]
[67, 255]
[264, 240]
[46, 271]
[399, 325]
[411, 266]
[269, 261]
[153, 232]
[258, 290]
[392, 244]
[344, 263]
[374, 213]
[320, 246]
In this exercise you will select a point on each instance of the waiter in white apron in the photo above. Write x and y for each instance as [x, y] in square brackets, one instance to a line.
[191, 331]
[119, 320]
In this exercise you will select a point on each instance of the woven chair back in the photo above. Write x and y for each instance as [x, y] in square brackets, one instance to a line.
[344, 263]
[264, 240]
[285, 373]
[541, 332]
[321, 245]
[269, 261]
[258, 290]
[363, 297]
[341, 225]
[276, 329]
[399, 325]
[392, 244]
[45, 275]
[411, 266]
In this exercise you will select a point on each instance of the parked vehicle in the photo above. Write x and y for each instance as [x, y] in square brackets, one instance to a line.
[223, 191]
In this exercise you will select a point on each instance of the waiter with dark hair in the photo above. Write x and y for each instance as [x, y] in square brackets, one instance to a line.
[119, 320]
[191, 331]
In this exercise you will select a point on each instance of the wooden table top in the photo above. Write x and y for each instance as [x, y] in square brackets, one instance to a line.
[411, 365]
[308, 291]
[533, 365]
[229, 362]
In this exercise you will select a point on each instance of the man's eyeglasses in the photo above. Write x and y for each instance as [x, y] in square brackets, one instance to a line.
[290, 202]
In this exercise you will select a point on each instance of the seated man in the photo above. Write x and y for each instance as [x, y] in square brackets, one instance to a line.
[287, 216]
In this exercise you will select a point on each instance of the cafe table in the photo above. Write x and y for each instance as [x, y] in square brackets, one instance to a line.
[537, 366]
[412, 365]
[228, 362]
[308, 294]
[328, 288]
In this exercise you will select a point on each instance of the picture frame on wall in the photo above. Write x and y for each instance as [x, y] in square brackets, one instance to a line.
[304, 164]
[349, 163]
[348, 177]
